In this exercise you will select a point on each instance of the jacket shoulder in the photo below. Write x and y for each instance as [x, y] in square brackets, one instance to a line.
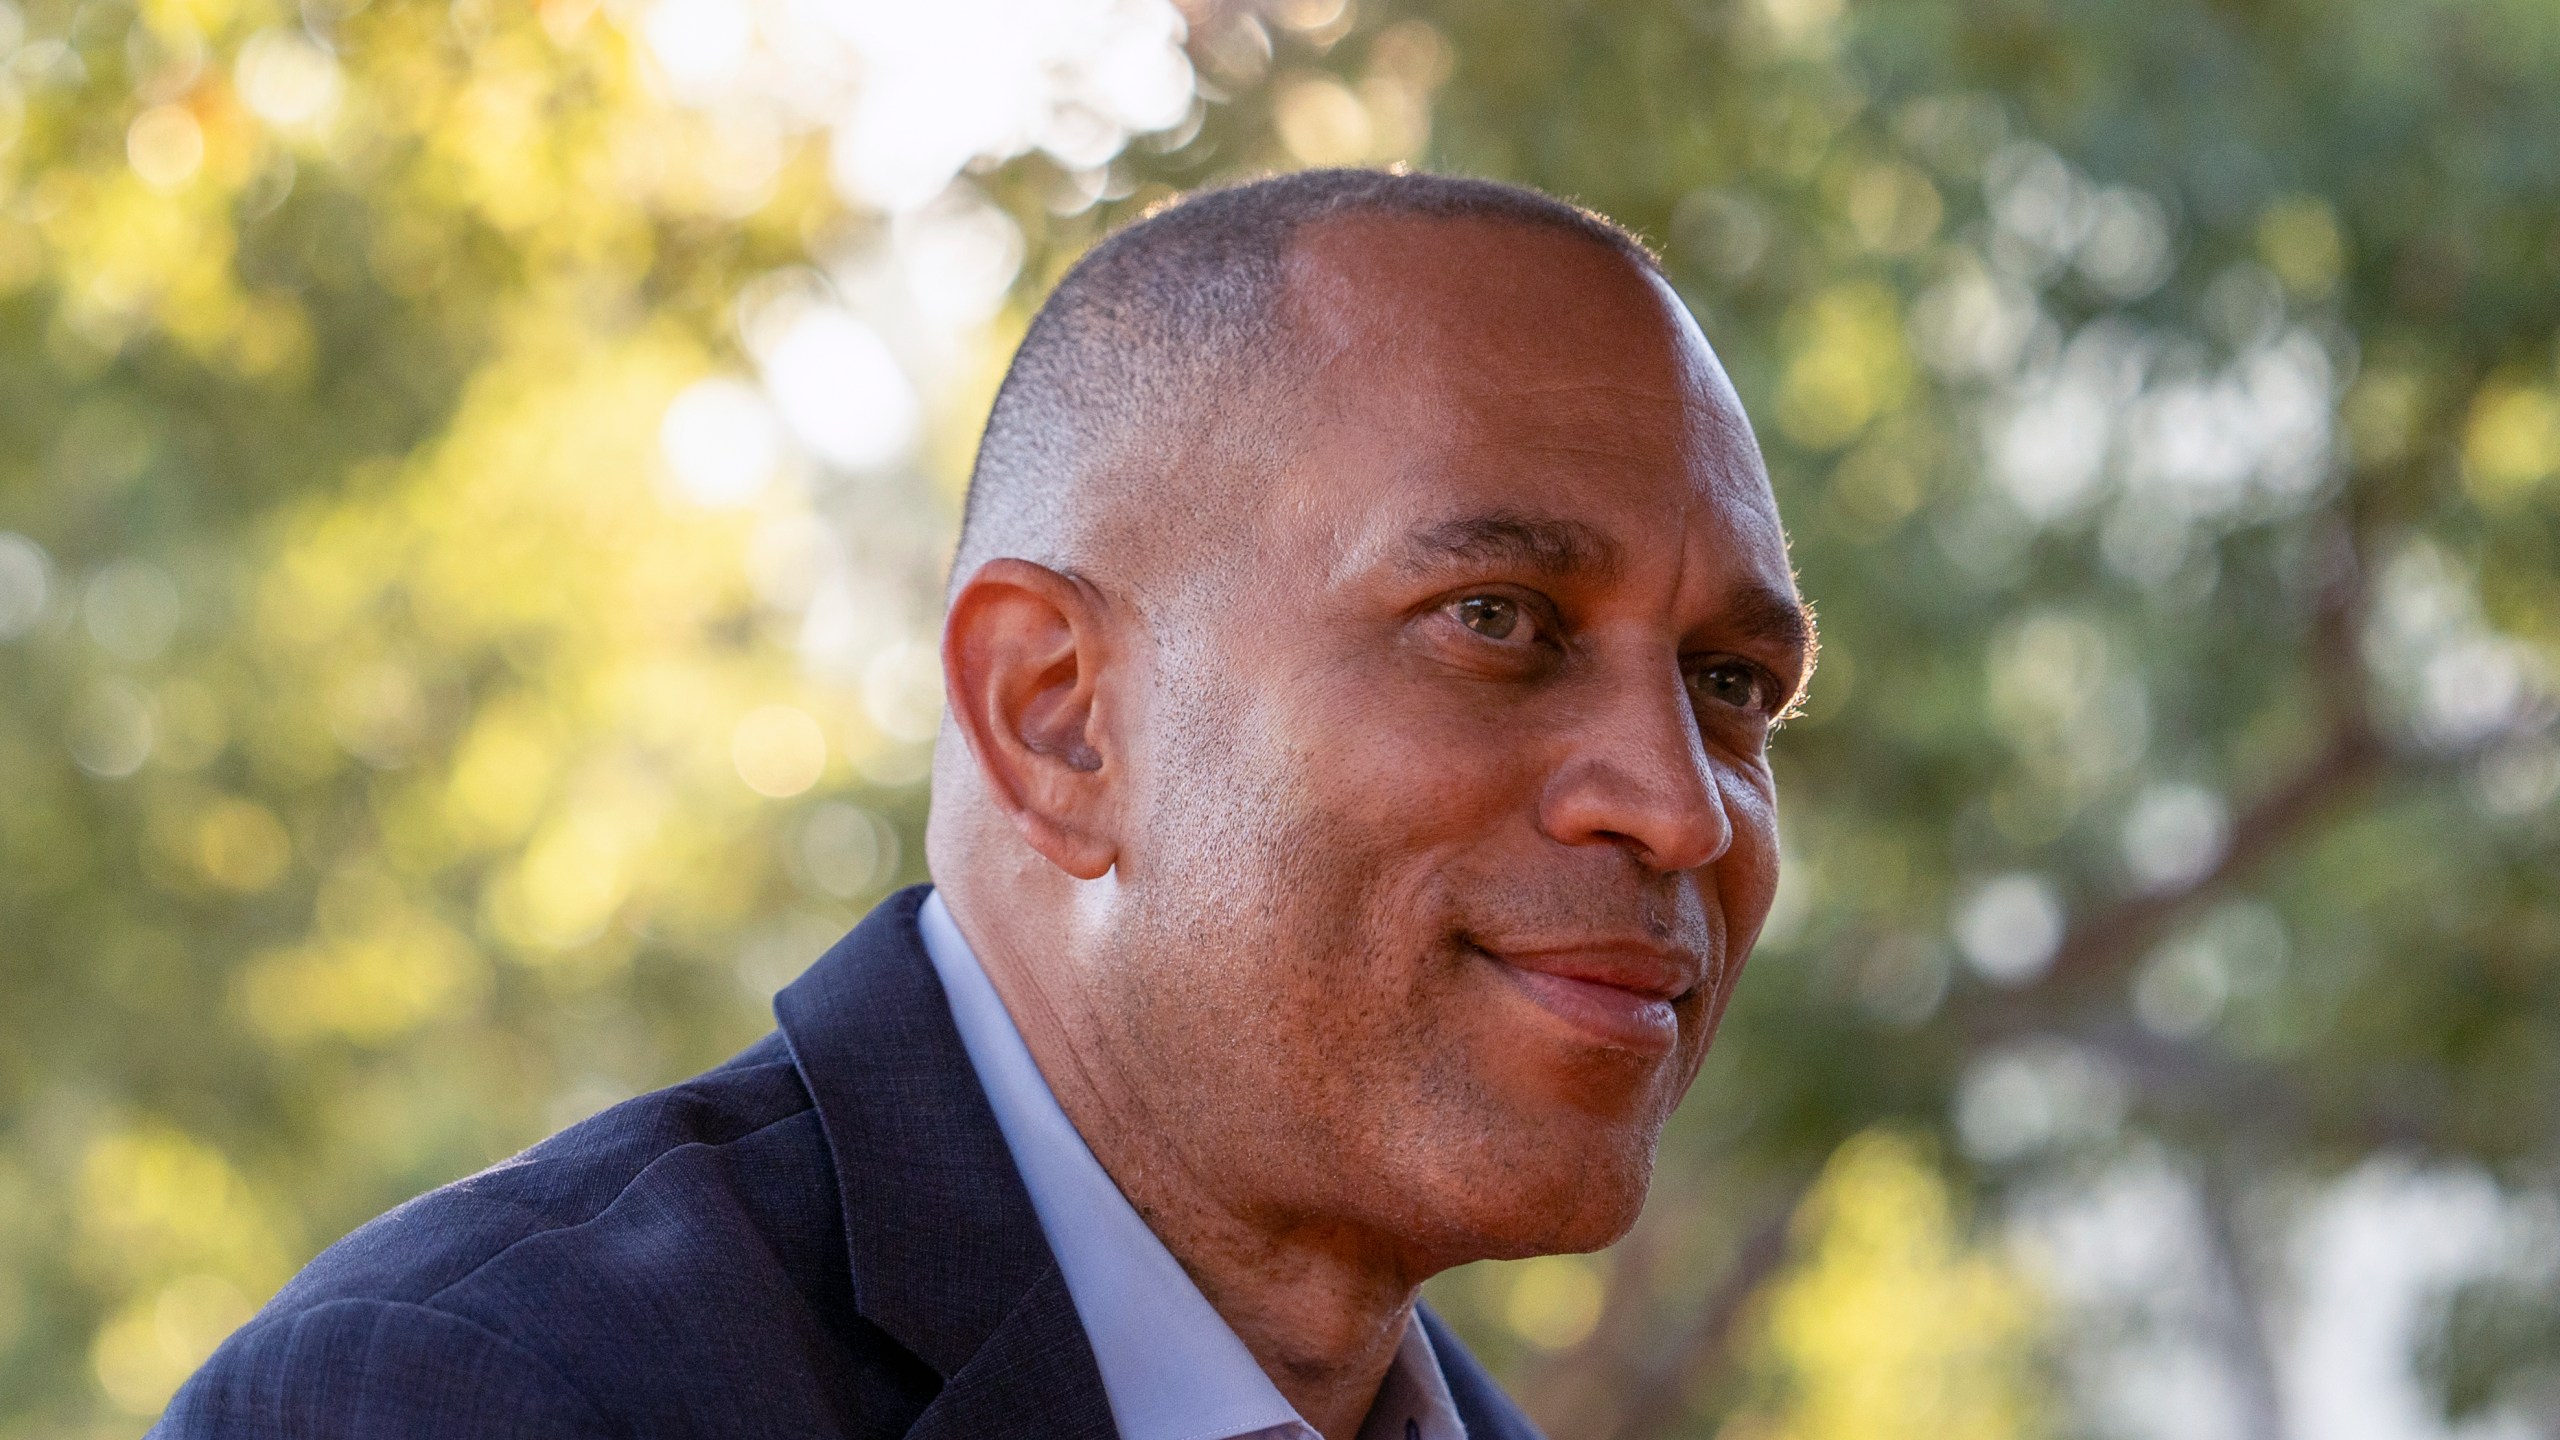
[625, 1157]
[681, 1255]
[378, 1369]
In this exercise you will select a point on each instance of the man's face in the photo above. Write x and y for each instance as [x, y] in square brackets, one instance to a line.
[1451, 820]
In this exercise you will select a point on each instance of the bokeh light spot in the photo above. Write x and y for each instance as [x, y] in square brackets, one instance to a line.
[26, 584]
[1554, 1301]
[702, 44]
[390, 970]
[842, 393]
[111, 730]
[2512, 440]
[149, 1347]
[241, 846]
[847, 851]
[2181, 989]
[573, 876]
[131, 608]
[2009, 927]
[2174, 834]
[1322, 122]
[779, 751]
[2300, 240]
[165, 146]
[286, 79]
[721, 442]
[902, 691]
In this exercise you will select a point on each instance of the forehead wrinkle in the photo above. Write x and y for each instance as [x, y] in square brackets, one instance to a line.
[1563, 407]
[1748, 605]
[1667, 396]
[1548, 545]
[1615, 456]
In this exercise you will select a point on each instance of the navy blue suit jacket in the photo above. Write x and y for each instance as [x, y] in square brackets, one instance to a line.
[824, 1237]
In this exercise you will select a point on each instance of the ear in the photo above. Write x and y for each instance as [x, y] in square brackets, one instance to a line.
[1023, 655]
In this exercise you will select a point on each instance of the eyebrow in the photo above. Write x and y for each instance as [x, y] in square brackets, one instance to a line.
[1756, 611]
[1547, 546]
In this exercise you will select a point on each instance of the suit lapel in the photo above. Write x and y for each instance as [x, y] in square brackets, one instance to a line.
[947, 1253]
[1034, 1376]
[1487, 1412]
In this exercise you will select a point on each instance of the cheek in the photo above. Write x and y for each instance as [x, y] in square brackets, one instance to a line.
[1271, 826]
[1740, 889]
[1746, 879]
[1411, 765]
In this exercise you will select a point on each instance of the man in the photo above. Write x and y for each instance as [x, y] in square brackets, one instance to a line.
[1352, 816]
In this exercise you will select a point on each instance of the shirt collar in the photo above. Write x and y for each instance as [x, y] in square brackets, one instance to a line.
[1171, 1365]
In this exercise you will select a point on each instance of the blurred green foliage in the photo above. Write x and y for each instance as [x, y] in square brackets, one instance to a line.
[396, 762]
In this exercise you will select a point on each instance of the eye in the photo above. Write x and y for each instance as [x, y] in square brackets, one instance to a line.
[1495, 617]
[1736, 685]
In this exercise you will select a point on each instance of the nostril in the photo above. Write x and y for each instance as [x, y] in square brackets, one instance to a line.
[1647, 785]
[1663, 837]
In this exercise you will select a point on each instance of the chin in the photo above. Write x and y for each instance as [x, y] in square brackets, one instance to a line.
[1583, 1220]
[1514, 1198]
[1550, 1151]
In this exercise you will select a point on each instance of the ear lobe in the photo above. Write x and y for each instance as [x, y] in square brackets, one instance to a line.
[1023, 655]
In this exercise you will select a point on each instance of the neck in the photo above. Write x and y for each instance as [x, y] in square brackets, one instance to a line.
[1318, 1305]
[1321, 1304]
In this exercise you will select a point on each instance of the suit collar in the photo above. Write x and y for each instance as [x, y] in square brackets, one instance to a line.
[947, 1254]
[948, 1257]
[1487, 1412]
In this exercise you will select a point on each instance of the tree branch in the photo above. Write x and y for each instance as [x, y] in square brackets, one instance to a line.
[2113, 939]
[2351, 757]
[2244, 1321]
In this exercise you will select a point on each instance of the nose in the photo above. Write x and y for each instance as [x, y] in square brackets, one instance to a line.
[1638, 776]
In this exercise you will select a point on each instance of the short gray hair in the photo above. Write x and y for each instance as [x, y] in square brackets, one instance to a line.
[1159, 325]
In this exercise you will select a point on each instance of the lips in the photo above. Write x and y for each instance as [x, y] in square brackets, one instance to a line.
[1621, 996]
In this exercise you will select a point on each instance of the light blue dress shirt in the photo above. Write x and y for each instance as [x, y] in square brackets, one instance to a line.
[1172, 1367]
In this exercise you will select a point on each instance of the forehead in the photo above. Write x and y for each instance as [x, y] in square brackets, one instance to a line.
[1460, 366]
